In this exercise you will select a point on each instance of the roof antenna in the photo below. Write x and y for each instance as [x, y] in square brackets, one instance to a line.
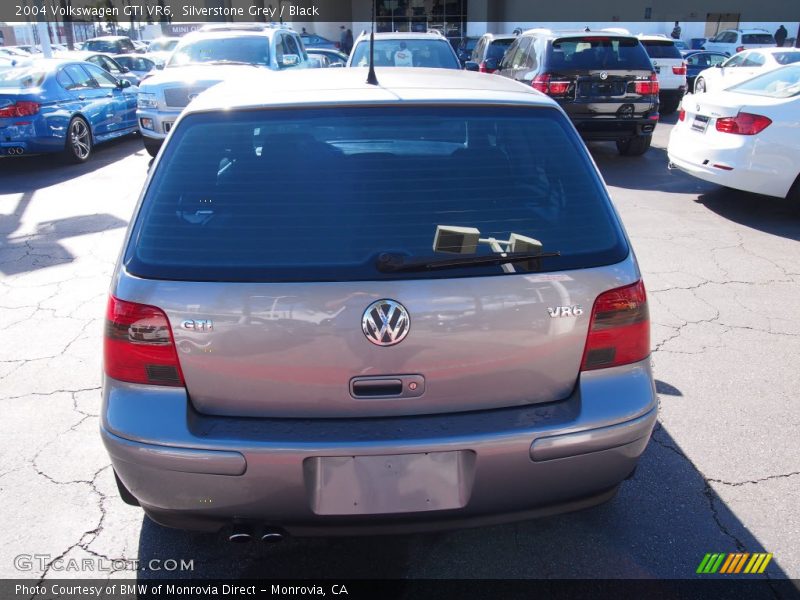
[372, 79]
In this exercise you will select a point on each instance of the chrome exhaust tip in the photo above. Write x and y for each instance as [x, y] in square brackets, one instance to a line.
[240, 535]
[272, 536]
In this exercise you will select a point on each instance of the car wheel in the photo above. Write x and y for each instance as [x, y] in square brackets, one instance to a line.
[634, 146]
[669, 106]
[152, 146]
[78, 147]
[700, 86]
[793, 197]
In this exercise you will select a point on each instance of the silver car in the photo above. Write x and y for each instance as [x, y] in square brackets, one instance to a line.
[443, 324]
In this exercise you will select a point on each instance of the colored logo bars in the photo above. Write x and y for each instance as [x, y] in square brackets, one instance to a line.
[736, 562]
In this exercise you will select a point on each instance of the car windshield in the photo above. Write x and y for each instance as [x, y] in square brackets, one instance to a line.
[247, 49]
[22, 77]
[661, 49]
[780, 83]
[407, 53]
[162, 46]
[595, 51]
[320, 194]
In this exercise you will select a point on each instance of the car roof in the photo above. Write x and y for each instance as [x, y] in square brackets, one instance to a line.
[775, 50]
[109, 38]
[231, 33]
[648, 37]
[567, 33]
[403, 35]
[501, 36]
[348, 86]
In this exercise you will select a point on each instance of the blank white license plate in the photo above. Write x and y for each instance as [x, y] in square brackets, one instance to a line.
[368, 485]
[700, 123]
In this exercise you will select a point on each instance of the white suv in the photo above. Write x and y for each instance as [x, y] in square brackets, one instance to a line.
[670, 69]
[205, 58]
[731, 41]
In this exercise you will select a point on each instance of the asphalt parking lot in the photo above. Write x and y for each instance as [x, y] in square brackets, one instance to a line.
[722, 473]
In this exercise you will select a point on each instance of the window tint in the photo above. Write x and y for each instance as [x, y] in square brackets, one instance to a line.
[659, 49]
[101, 46]
[758, 38]
[734, 61]
[518, 60]
[64, 79]
[318, 195]
[753, 59]
[497, 48]
[407, 53]
[780, 83]
[786, 58]
[103, 79]
[81, 80]
[22, 77]
[591, 52]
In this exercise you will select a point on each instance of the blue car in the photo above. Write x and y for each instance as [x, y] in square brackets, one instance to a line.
[56, 105]
[700, 60]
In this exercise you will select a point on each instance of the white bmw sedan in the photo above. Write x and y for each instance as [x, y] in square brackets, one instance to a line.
[743, 66]
[746, 137]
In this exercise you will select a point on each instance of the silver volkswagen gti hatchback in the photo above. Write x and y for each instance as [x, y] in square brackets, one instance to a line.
[350, 308]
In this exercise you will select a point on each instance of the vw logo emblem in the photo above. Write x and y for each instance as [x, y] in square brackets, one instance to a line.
[603, 75]
[385, 323]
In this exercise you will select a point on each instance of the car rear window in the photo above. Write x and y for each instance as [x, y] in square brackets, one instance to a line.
[22, 77]
[497, 49]
[659, 49]
[319, 194]
[758, 38]
[786, 58]
[593, 51]
[407, 53]
[101, 46]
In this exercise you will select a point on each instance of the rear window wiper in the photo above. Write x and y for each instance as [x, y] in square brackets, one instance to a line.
[395, 263]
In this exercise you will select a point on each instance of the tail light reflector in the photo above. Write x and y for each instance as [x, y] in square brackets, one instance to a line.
[680, 70]
[21, 108]
[482, 68]
[739, 48]
[138, 345]
[649, 87]
[544, 83]
[619, 330]
[681, 115]
[743, 124]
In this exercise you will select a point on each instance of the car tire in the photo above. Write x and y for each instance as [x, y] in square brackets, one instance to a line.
[78, 146]
[669, 106]
[635, 146]
[793, 197]
[152, 146]
[699, 86]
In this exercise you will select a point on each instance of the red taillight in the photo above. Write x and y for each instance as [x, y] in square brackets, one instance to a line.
[740, 48]
[681, 115]
[679, 70]
[22, 108]
[647, 88]
[619, 330]
[482, 68]
[743, 124]
[546, 85]
[138, 345]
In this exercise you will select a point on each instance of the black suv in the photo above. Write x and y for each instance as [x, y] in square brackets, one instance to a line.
[603, 80]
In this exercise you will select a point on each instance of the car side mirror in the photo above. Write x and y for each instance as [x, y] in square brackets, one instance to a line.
[336, 65]
[471, 65]
[492, 64]
[123, 83]
[290, 60]
[718, 65]
[159, 66]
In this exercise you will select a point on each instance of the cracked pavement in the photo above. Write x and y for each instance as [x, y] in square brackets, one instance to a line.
[722, 473]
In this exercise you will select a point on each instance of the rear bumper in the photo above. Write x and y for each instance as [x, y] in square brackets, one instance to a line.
[605, 129]
[199, 472]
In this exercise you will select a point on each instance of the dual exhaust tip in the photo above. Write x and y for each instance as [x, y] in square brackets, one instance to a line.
[16, 150]
[242, 534]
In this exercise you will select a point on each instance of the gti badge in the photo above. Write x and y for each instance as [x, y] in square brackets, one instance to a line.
[565, 311]
[199, 325]
[385, 323]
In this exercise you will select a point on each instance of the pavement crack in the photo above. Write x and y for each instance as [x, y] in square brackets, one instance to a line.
[755, 481]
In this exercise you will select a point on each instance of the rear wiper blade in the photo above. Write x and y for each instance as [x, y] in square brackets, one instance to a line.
[394, 263]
